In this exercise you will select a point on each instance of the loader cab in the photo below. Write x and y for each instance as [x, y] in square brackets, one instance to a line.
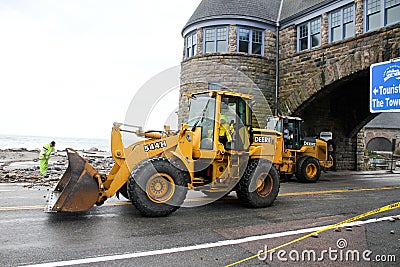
[291, 129]
[214, 114]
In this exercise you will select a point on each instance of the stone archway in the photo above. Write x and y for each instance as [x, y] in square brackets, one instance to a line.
[308, 72]
[379, 144]
[329, 87]
[342, 108]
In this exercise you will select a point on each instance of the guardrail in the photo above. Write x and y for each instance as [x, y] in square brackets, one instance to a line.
[379, 163]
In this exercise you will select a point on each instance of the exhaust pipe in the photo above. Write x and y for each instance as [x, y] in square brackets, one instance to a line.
[78, 189]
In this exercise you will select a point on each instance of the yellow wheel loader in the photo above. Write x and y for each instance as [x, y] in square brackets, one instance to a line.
[304, 157]
[217, 151]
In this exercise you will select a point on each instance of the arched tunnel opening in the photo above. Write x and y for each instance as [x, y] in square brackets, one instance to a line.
[343, 109]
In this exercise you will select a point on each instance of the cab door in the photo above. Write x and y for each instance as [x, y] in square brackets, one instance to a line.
[238, 114]
[295, 135]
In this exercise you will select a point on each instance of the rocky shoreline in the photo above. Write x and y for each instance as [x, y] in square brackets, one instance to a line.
[22, 166]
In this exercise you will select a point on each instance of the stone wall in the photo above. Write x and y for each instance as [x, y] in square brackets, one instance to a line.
[200, 39]
[371, 133]
[232, 44]
[359, 17]
[361, 158]
[233, 71]
[305, 73]
[287, 44]
[270, 45]
[242, 73]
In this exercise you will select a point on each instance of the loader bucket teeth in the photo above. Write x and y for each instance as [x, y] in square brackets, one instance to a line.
[77, 190]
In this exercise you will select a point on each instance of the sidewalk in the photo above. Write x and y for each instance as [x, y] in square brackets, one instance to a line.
[351, 173]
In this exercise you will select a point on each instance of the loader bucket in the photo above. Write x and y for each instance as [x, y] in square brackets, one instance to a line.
[77, 190]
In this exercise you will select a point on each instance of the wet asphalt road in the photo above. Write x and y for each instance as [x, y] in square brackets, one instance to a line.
[28, 236]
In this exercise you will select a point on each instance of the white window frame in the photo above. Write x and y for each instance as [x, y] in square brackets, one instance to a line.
[309, 34]
[342, 23]
[215, 40]
[383, 10]
[214, 86]
[250, 42]
[191, 44]
[386, 11]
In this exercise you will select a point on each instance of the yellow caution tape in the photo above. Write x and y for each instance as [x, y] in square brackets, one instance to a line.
[369, 213]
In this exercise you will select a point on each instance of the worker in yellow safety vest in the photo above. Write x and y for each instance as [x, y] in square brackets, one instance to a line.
[224, 131]
[45, 156]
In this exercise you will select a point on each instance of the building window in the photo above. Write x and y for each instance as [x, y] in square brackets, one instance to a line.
[315, 31]
[373, 14]
[342, 23]
[309, 34]
[392, 11]
[381, 13]
[251, 41]
[191, 45]
[214, 86]
[216, 40]
[303, 37]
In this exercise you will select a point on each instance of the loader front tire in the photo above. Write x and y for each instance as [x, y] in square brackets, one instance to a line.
[308, 170]
[259, 185]
[156, 187]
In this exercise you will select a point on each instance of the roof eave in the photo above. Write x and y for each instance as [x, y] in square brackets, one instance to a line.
[250, 18]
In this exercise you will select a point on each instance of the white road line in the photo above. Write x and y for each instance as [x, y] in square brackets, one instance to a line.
[197, 247]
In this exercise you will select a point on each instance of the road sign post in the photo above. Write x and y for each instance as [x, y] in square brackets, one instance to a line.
[385, 86]
[393, 149]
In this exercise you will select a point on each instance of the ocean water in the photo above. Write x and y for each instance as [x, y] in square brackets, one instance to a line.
[37, 142]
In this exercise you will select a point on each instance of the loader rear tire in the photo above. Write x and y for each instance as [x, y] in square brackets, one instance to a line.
[156, 187]
[308, 170]
[259, 185]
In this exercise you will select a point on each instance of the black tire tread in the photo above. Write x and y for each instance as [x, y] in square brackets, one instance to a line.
[138, 196]
[251, 198]
[301, 174]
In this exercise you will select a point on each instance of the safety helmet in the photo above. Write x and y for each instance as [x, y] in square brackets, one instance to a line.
[223, 117]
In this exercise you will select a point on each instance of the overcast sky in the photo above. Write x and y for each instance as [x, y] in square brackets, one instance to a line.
[71, 67]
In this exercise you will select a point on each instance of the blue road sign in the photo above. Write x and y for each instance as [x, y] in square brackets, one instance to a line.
[385, 87]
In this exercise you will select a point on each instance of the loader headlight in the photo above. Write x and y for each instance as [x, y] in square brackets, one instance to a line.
[188, 137]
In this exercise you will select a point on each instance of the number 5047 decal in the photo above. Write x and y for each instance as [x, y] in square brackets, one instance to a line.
[154, 146]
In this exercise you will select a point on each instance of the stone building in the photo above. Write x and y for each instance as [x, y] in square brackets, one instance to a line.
[306, 58]
[379, 132]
